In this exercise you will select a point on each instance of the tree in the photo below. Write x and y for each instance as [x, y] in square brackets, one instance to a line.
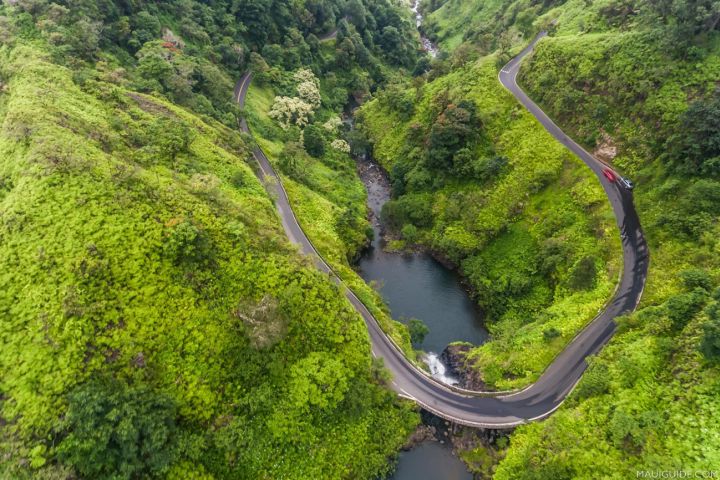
[452, 130]
[356, 12]
[314, 141]
[418, 331]
[310, 93]
[696, 146]
[119, 432]
[172, 137]
[582, 276]
[84, 37]
[291, 110]
[293, 160]
[399, 101]
[146, 27]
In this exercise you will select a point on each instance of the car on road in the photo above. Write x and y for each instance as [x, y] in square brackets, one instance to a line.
[627, 183]
[609, 174]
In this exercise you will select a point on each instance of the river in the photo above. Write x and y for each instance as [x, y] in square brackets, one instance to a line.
[415, 285]
[430, 460]
[428, 46]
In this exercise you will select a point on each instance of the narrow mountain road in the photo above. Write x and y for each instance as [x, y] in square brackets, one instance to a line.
[494, 409]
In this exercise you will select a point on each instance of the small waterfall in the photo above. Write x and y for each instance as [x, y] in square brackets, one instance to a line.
[429, 47]
[438, 369]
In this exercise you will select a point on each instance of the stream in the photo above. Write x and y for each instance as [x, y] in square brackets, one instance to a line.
[428, 46]
[415, 285]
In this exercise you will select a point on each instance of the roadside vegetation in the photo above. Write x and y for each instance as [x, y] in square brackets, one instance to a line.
[326, 194]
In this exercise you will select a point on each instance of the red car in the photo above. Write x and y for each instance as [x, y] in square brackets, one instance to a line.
[609, 174]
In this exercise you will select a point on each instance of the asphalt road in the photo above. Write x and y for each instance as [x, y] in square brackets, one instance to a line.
[495, 409]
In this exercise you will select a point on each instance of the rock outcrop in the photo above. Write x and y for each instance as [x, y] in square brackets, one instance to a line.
[454, 356]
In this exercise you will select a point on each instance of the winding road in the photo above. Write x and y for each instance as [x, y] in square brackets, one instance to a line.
[495, 410]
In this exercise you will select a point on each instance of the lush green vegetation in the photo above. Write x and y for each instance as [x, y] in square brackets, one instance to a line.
[636, 82]
[479, 181]
[326, 194]
[154, 320]
[483, 25]
[649, 90]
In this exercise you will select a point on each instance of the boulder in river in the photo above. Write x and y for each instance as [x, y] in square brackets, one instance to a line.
[421, 434]
[454, 356]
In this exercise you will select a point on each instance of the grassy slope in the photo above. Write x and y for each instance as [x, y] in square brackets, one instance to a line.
[616, 70]
[503, 227]
[446, 22]
[318, 203]
[484, 20]
[90, 287]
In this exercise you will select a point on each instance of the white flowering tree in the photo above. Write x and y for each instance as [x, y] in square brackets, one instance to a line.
[332, 124]
[291, 110]
[310, 93]
[298, 110]
[308, 86]
[306, 75]
[340, 145]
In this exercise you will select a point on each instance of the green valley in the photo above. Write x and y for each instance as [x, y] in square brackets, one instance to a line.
[159, 319]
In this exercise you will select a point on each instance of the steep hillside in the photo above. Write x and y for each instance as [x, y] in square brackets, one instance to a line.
[154, 320]
[326, 195]
[641, 89]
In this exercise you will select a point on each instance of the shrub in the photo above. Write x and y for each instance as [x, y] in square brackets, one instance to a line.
[117, 432]
[551, 334]
[314, 141]
[418, 330]
[185, 243]
[696, 278]
[682, 308]
[595, 381]
[409, 233]
[582, 276]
